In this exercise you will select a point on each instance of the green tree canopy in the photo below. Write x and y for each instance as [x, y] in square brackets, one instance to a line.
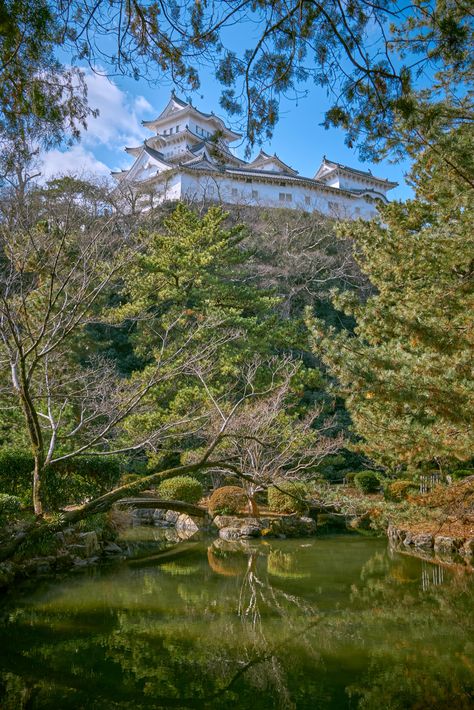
[407, 370]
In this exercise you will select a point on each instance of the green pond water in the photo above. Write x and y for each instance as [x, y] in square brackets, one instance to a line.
[333, 623]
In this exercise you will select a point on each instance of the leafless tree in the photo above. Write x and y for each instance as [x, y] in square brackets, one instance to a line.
[262, 441]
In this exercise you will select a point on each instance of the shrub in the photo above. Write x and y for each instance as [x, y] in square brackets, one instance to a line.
[367, 481]
[79, 479]
[280, 502]
[9, 506]
[69, 481]
[184, 488]
[399, 490]
[227, 500]
[349, 478]
[16, 473]
[462, 473]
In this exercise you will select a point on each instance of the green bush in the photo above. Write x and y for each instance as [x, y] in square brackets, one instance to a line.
[349, 477]
[79, 479]
[280, 502]
[399, 490]
[9, 506]
[68, 482]
[16, 473]
[228, 500]
[367, 481]
[184, 488]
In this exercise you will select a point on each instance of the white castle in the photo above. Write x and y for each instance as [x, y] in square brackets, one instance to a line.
[188, 157]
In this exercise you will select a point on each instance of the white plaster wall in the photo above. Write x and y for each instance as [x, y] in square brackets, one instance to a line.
[360, 183]
[308, 198]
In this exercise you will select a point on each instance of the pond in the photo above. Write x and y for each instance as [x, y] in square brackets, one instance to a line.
[324, 623]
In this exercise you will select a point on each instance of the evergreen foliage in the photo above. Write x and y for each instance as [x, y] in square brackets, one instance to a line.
[407, 370]
[184, 488]
[289, 497]
[367, 481]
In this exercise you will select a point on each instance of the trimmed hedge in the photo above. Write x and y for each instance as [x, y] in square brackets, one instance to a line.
[228, 500]
[184, 488]
[367, 481]
[279, 502]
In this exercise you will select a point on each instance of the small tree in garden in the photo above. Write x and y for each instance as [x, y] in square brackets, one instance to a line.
[273, 438]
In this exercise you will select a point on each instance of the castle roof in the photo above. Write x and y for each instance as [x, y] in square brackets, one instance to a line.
[176, 107]
[329, 167]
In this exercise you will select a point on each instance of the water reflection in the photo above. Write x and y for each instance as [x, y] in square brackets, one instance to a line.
[323, 624]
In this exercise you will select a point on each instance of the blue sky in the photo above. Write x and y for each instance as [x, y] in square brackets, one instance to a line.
[123, 103]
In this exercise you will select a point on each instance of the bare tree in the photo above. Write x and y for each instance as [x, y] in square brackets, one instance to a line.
[262, 440]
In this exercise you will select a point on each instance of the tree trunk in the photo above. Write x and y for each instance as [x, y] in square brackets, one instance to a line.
[37, 481]
[253, 507]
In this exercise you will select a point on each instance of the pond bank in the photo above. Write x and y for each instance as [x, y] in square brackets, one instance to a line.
[77, 550]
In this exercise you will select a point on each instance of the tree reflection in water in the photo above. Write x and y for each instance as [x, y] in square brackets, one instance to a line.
[326, 624]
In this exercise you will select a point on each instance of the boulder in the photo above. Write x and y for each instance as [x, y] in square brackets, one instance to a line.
[468, 548]
[423, 541]
[171, 517]
[446, 545]
[244, 531]
[90, 541]
[111, 548]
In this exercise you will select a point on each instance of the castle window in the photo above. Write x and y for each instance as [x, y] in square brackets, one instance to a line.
[248, 179]
[357, 210]
[281, 196]
[171, 131]
[177, 129]
[307, 200]
[283, 184]
[254, 194]
[235, 192]
[288, 197]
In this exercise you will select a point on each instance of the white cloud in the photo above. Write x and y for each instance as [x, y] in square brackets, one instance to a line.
[117, 125]
[141, 104]
[76, 161]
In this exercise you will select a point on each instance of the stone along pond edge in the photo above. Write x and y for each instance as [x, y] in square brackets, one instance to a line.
[80, 550]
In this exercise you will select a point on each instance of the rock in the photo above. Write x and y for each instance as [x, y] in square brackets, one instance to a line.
[423, 540]
[111, 548]
[187, 523]
[38, 565]
[143, 516]
[77, 550]
[468, 548]
[90, 541]
[171, 516]
[77, 562]
[446, 545]
[245, 531]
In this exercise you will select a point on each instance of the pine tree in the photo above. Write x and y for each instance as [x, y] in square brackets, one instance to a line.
[406, 371]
